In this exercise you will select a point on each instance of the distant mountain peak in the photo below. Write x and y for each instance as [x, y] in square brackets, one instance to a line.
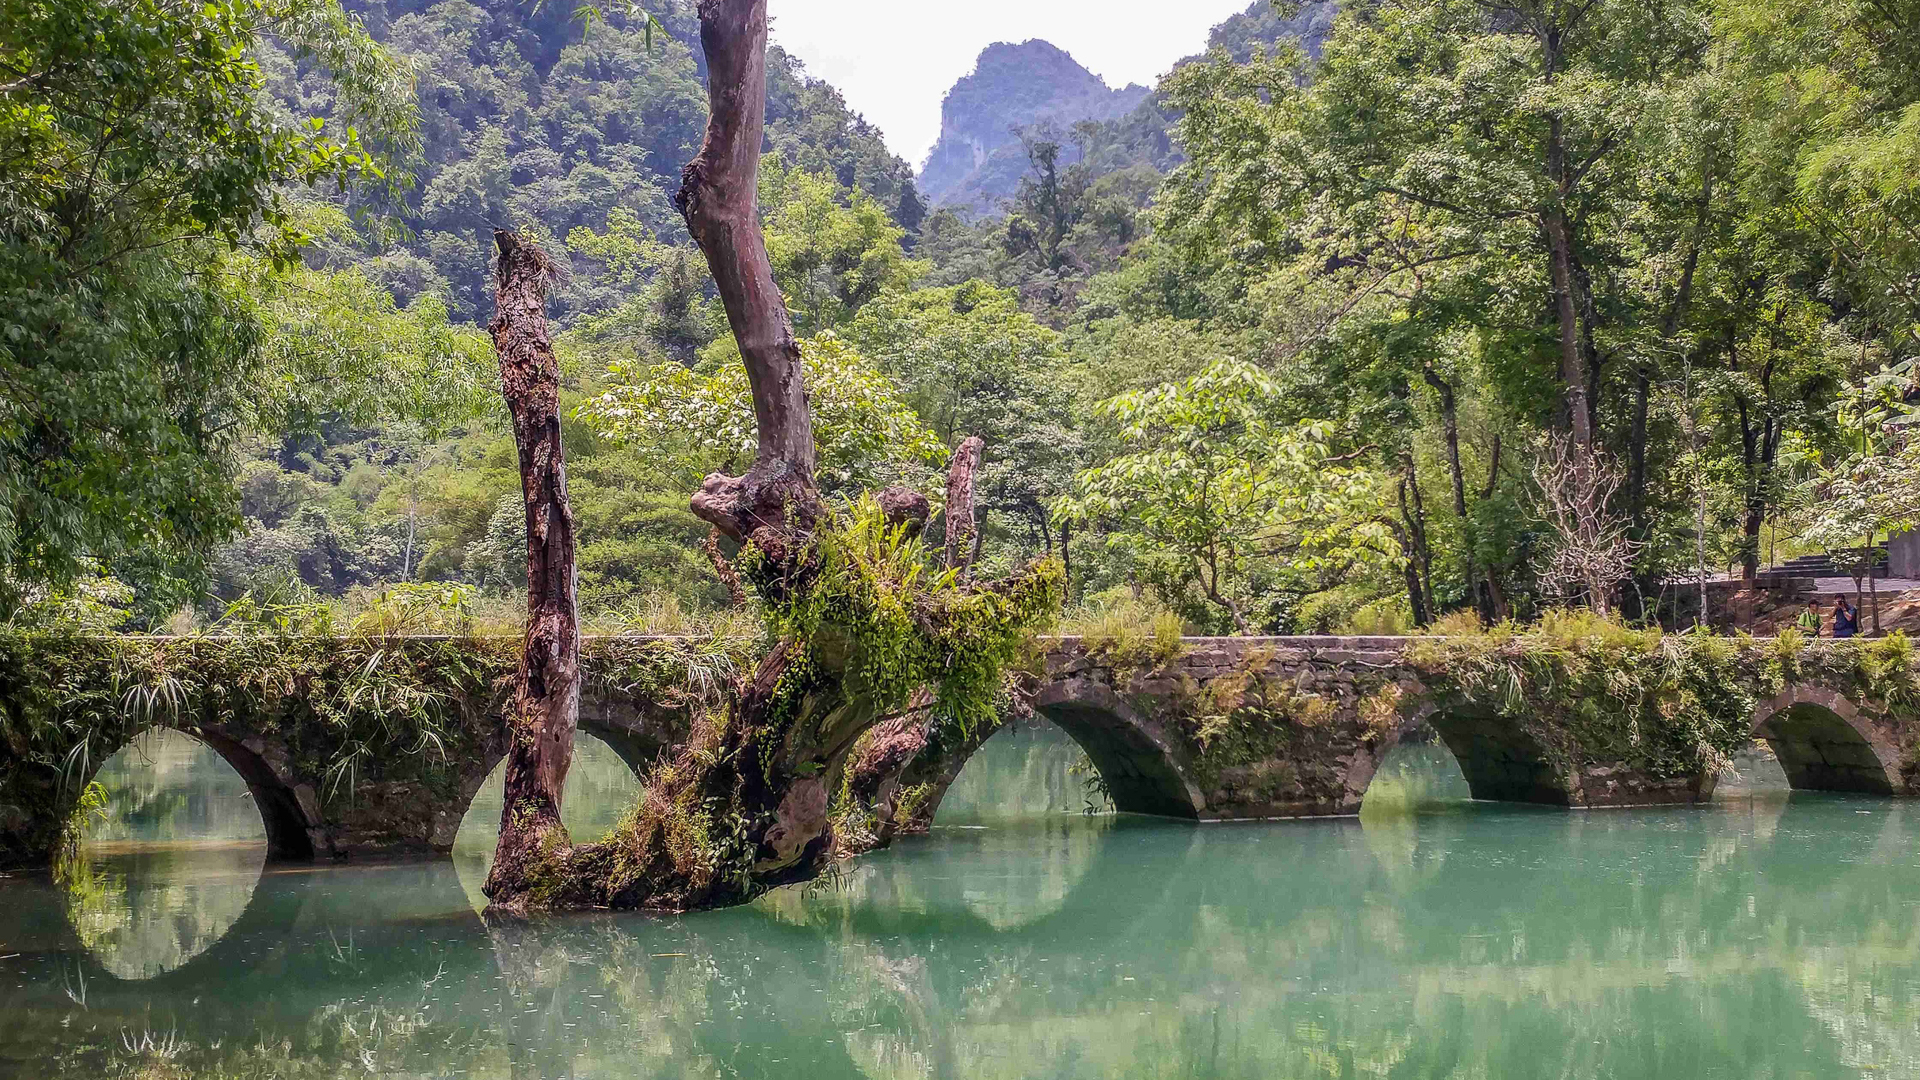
[978, 159]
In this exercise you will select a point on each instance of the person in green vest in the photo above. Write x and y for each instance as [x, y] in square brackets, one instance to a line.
[1809, 621]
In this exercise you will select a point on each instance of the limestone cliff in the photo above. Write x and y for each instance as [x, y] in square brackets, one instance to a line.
[979, 160]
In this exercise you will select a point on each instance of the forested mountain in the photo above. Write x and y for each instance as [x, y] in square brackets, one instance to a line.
[1042, 172]
[979, 158]
[535, 119]
[573, 133]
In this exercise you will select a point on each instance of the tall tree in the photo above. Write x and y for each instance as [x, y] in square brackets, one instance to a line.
[546, 694]
[1213, 488]
[136, 153]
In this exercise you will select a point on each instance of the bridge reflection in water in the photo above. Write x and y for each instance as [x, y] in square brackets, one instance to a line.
[601, 787]
[1765, 936]
[171, 863]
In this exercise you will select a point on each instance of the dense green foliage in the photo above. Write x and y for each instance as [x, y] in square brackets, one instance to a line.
[872, 598]
[1374, 222]
[137, 156]
[1223, 500]
[867, 436]
[1378, 228]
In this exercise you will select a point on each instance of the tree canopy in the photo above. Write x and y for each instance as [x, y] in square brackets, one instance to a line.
[245, 256]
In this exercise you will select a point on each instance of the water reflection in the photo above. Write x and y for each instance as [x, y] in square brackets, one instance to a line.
[172, 864]
[600, 789]
[149, 910]
[1019, 827]
[1029, 769]
[1752, 938]
[1753, 773]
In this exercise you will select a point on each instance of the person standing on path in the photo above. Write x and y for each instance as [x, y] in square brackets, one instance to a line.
[1809, 621]
[1846, 619]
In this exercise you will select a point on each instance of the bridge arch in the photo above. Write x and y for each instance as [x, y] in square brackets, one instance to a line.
[1500, 760]
[292, 822]
[1411, 733]
[1136, 760]
[289, 812]
[1143, 772]
[608, 716]
[1824, 743]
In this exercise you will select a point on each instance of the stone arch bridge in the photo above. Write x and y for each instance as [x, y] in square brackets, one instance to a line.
[1295, 727]
[1214, 729]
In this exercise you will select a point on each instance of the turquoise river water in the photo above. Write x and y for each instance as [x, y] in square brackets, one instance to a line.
[1770, 935]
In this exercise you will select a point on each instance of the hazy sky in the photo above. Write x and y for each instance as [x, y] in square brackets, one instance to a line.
[895, 59]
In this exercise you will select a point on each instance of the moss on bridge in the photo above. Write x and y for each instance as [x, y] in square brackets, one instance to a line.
[1667, 705]
[370, 741]
[336, 721]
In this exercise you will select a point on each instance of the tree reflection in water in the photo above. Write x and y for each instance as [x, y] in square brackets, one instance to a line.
[1753, 938]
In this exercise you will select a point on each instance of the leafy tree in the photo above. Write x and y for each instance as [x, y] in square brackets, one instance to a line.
[1211, 486]
[135, 152]
[1379, 227]
[634, 293]
[93, 601]
[703, 421]
[1072, 216]
[339, 349]
[1444, 135]
[832, 250]
[974, 363]
[1831, 97]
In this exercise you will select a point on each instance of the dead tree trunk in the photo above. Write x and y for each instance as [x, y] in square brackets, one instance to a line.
[719, 196]
[546, 698]
[776, 793]
[743, 805]
[960, 523]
